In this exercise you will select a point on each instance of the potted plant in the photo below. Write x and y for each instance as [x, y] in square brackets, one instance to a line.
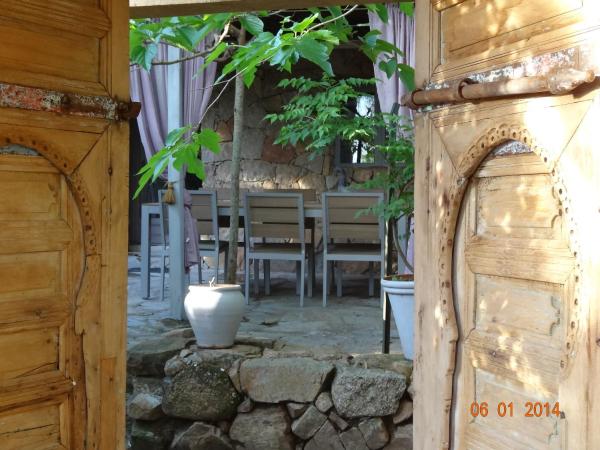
[215, 313]
[318, 115]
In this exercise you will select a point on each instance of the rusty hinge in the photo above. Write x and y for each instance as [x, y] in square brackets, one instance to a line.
[96, 106]
[558, 82]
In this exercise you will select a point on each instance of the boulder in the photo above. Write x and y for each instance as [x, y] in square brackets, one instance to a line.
[201, 392]
[145, 407]
[353, 439]
[326, 438]
[340, 423]
[374, 432]
[402, 439]
[363, 392]
[276, 380]
[395, 363]
[156, 435]
[201, 436]
[323, 402]
[309, 423]
[265, 428]
[148, 358]
[295, 410]
[144, 385]
[405, 411]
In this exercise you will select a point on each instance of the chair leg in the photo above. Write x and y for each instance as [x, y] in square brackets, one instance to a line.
[371, 280]
[325, 281]
[302, 273]
[298, 279]
[382, 273]
[225, 265]
[331, 279]
[267, 276]
[162, 278]
[247, 281]
[199, 269]
[338, 276]
[256, 263]
[311, 269]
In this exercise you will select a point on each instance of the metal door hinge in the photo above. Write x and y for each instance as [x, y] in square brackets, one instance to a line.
[95, 106]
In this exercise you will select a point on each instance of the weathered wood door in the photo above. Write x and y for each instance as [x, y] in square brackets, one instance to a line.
[63, 223]
[514, 282]
[507, 213]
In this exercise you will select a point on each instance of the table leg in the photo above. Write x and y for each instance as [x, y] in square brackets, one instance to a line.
[145, 244]
[386, 325]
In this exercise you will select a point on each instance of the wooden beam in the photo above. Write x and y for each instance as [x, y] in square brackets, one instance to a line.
[168, 8]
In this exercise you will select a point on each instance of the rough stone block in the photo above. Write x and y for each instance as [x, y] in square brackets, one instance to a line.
[363, 392]
[374, 432]
[201, 436]
[326, 438]
[145, 407]
[309, 423]
[156, 435]
[402, 439]
[201, 392]
[340, 423]
[274, 380]
[405, 411]
[148, 358]
[323, 402]
[295, 410]
[353, 439]
[265, 428]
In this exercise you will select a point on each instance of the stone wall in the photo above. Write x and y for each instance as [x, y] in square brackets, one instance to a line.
[265, 165]
[257, 396]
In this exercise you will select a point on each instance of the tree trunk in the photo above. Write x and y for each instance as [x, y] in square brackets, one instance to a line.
[238, 129]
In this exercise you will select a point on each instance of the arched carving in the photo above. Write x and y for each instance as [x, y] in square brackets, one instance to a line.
[76, 183]
[452, 202]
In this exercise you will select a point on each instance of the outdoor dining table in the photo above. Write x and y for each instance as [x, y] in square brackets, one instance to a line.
[312, 210]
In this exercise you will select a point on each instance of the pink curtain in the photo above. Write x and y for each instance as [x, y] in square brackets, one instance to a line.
[150, 88]
[400, 31]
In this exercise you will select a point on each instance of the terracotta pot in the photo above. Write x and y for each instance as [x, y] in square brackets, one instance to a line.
[215, 313]
[400, 290]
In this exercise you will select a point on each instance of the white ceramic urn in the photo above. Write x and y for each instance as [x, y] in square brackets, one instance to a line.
[401, 292]
[215, 313]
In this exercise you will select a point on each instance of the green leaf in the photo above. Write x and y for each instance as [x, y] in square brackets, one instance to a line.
[308, 21]
[174, 135]
[218, 51]
[407, 8]
[208, 138]
[148, 55]
[380, 9]
[315, 52]
[407, 76]
[252, 24]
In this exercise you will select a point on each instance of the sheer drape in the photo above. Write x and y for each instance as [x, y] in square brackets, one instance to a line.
[150, 88]
[400, 31]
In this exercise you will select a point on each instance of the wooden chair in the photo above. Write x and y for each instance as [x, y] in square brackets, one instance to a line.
[275, 216]
[309, 195]
[204, 211]
[342, 221]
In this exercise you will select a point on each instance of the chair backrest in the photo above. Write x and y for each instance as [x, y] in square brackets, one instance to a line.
[274, 215]
[225, 194]
[204, 211]
[309, 195]
[344, 216]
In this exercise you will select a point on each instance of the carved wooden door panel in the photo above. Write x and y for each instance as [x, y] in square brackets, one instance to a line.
[507, 254]
[63, 223]
[514, 277]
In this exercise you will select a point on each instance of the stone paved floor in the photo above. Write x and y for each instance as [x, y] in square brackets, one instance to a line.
[351, 324]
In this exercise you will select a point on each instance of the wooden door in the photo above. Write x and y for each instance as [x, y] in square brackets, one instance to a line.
[507, 253]
[514, 281]
[63, 223]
